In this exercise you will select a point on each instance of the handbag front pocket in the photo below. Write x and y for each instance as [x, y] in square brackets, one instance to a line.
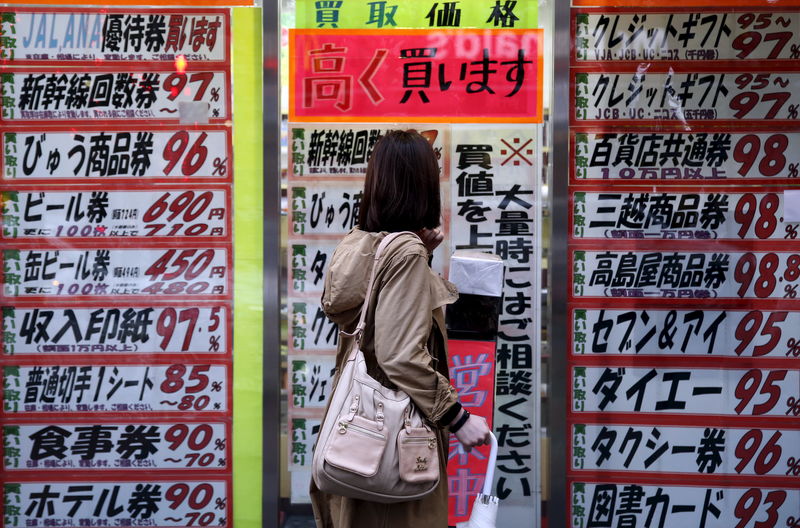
[357, 446]
[418, 456]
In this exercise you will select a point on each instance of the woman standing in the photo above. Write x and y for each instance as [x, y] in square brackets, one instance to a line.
[404, 343]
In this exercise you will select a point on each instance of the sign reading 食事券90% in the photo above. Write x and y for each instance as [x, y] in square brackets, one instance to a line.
[115, 446]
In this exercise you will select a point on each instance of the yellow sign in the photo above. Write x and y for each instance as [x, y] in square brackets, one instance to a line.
[426, 14]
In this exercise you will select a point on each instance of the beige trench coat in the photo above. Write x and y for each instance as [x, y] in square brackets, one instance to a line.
[405, 346]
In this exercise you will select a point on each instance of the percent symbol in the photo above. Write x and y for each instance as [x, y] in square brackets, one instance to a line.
[794, 466]
[215, 94]
[793, 406]
[791, 291]
[795, 53]
[220, 166]
[220, 503]
[791, 231]
[213, 342]
[794, 170]
[219, 444]
[794, 347]
[794, 110]
[216, 386]
[791, 522]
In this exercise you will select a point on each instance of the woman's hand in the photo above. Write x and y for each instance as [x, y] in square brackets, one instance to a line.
[474, 432]
[431, 238]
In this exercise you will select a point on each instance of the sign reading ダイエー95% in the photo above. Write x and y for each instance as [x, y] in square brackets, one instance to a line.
[691, 391]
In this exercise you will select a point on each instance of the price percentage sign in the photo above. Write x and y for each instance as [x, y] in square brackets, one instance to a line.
[213, 344]
[216, 386]
[794, 347]
[793, 406]
[794, 467]
[794, 110]
[791, 232]
[795, 52]
[791, 522]
[220, 503]
[215, 94]
[219, 444]
[220, 166]
[790, 291]
[794, 171]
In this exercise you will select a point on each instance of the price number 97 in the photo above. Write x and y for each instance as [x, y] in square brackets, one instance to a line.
[170, 317]
[743, 103]
[763, 275]
[748, 41]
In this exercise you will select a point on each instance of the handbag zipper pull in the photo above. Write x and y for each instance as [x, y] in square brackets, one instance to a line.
[431, 443]
[342, 427]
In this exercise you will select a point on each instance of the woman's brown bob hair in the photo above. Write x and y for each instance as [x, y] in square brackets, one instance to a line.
[401, 192]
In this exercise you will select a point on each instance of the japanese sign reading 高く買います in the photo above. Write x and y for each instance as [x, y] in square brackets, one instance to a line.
[117, 266]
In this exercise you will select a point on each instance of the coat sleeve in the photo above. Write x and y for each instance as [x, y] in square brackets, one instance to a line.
[402, 325]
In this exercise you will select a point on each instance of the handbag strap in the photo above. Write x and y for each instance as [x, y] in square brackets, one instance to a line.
[358, 332]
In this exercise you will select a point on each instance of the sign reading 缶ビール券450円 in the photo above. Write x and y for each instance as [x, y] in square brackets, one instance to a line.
[460, 75]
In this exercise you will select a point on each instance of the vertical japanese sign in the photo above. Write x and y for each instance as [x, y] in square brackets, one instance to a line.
[435, 67]
[683, 382]
[116, 171]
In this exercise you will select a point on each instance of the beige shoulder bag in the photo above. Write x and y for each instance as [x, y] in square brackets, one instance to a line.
[374, 444]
